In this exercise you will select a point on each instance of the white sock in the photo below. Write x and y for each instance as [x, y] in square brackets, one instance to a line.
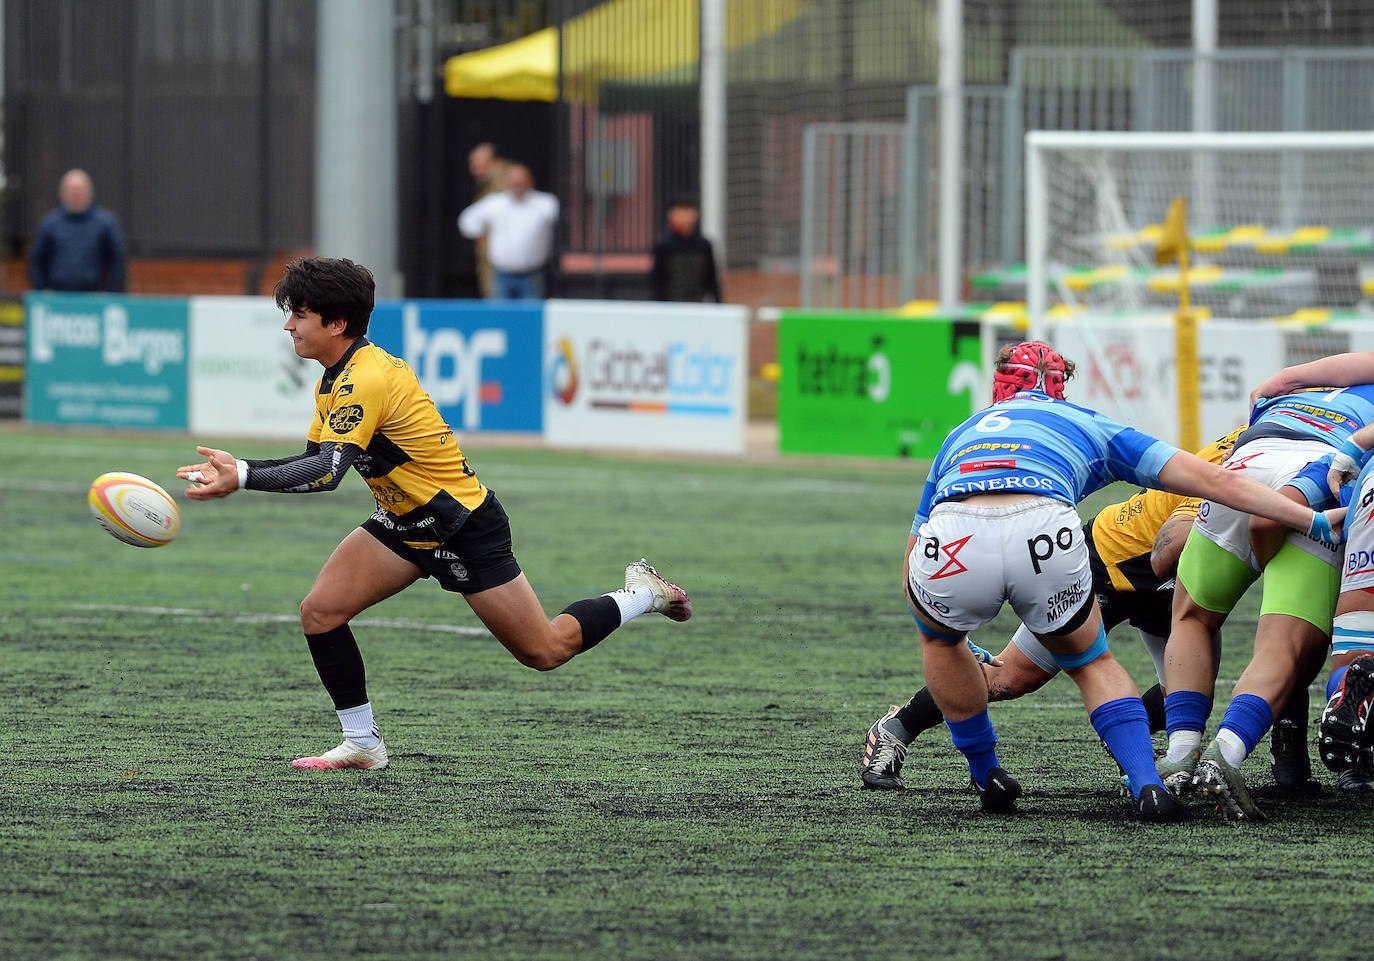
[1183, 743]
[359, 726]
[1232, 747]
[632, 601]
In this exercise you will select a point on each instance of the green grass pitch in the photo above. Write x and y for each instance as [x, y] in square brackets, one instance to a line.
[683, 791]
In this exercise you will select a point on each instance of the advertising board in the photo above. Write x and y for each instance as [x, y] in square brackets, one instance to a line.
[481, 362]
[246, 379]
[105, 360]
[873, 384]
[1126, 370]
[11, 357]
[645, 376]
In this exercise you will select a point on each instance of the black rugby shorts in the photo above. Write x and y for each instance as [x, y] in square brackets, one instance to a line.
[477, 558]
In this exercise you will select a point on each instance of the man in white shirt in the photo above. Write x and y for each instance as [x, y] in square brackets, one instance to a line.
[517, 223]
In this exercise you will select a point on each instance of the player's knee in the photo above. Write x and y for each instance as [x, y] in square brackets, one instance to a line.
[539, 660]
[542, 653]
[316, 617]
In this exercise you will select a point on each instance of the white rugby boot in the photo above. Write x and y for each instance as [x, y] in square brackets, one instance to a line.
[348, 754]
[669, 600]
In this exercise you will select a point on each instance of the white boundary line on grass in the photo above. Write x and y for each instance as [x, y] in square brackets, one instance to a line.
[253, 617]
[43, 486]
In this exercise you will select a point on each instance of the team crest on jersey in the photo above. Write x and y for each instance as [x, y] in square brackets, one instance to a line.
[345, 390]
[460, 573]
[345, 419]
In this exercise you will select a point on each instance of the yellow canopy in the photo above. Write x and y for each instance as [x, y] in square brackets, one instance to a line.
[525, 69]
[616, 40]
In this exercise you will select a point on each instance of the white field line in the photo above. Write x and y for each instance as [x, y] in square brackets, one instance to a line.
[257, 617]
[44, 486]
[539, 480]
[254, 617]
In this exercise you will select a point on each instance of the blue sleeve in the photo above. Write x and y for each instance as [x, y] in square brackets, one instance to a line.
[1136, 457]
[923, 509]
[1311, 483]
[115, 269]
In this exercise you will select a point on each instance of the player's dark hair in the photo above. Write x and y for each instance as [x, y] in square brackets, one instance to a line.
[333, 288]
[683, 200]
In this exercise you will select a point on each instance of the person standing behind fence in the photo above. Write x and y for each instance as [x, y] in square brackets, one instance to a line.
[684, 261]
[488, 171]
[78, 246]
[517, 223]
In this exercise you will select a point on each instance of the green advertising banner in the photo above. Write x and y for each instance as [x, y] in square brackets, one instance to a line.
[106, 360]
[874, 384]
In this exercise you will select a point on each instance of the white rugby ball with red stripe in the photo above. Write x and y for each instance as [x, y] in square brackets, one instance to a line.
[134, 509]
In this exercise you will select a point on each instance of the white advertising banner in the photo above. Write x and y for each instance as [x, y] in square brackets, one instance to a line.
[1126, 370]
[245, 378]
[645, 376]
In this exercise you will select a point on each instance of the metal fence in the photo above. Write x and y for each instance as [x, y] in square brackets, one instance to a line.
[195, 118]
[851, 214]
[1050, 89]
[1257, 89]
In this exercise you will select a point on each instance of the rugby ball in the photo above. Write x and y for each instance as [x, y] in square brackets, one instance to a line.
[134, 509]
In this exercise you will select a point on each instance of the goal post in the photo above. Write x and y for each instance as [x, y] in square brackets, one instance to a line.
[1281, 226]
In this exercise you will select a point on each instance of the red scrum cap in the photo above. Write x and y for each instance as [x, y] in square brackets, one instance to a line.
[1029, 366]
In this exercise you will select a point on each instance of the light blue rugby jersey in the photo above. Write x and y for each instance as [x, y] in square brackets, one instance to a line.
[1326, 415]
[1311, 481]
[1038, 445]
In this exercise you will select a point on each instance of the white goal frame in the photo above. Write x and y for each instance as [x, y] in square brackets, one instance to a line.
[1041, 142]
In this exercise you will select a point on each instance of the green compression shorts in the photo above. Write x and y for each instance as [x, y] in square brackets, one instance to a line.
[1302, 586]
[1213, 577]
[1295, 582]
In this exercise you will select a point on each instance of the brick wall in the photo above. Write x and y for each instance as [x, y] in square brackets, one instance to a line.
[181, 277]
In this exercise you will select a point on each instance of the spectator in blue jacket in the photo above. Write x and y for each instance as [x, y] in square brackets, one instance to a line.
[79, 245]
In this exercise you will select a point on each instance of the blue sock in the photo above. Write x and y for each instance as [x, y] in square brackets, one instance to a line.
[1249, 717]
[1334, 681]
[1186, 711]
[978, 742]
[1125, 728]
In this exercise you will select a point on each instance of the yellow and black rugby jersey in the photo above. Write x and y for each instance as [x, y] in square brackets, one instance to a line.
[1124, 534]
[411, 460]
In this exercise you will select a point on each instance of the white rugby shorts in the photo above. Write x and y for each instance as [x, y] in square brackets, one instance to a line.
[970, 558]
[1358, 572]
[1273, 461]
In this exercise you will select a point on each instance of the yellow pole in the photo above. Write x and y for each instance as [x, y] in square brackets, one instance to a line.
[1174, 244]
[1188, 370]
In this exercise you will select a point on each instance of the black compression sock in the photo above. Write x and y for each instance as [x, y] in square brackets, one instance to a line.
[598, 616]
[340, 665]
[1153, 699]
[920, 713]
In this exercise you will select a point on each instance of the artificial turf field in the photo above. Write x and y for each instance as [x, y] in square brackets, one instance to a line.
[683, 791]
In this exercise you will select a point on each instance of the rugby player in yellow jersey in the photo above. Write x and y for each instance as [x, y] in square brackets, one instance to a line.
[1133, 549]
[434, 518]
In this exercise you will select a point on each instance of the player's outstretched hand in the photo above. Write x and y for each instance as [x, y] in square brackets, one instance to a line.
[218, 476]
